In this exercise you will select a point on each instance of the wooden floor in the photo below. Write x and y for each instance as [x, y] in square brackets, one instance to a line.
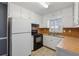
[44, 51]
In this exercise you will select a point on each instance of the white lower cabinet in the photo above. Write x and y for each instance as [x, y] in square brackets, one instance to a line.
[45, 41]
[51, 41]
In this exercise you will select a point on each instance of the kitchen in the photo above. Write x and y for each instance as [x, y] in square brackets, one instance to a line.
[39, 29]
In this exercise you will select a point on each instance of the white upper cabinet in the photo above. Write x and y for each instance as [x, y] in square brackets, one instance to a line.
[17, 11]
[67, 17]
[76, 14]
[21, 21]
[10, 9]
[14, 10]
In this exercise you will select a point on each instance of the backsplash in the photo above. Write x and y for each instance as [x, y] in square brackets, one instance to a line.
[43, 31]
[74, 32]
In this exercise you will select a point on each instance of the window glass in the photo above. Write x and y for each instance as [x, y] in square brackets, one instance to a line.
[55, 25]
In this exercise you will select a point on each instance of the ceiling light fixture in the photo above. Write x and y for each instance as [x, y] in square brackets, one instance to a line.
[44, 4]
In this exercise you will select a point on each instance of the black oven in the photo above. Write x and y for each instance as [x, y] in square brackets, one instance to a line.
[37, 38]
[38, 41]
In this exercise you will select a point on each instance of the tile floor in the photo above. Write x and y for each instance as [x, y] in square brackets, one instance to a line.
[44, 51]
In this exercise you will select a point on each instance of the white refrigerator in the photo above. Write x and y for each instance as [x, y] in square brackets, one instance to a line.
[21, 42]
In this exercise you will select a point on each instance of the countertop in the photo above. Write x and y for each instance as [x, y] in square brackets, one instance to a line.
[70, 44]
[60, 36]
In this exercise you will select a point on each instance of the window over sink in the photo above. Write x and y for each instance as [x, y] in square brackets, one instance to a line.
[55, 25]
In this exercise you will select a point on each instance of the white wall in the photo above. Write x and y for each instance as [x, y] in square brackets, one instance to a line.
[65, 14]
[15, 10]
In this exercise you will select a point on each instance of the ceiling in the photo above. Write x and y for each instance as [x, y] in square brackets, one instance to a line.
[39, 9]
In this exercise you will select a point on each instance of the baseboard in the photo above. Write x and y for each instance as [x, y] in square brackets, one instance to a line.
[30, 55]
[50, 48]
[4, 55]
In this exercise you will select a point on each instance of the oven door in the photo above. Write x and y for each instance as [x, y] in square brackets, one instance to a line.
[38, 41]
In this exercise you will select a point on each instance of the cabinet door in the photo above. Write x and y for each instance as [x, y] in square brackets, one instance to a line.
[68, 17]
[44, 41]
[55, 42]
[51, 43]
[16, 11]
[47, 41]
[10, 9]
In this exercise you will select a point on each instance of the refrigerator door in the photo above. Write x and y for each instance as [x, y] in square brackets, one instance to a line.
[21, 44]
[28, 44]
[20, 25]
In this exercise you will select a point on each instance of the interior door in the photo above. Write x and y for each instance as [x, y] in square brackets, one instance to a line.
[3, 29]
